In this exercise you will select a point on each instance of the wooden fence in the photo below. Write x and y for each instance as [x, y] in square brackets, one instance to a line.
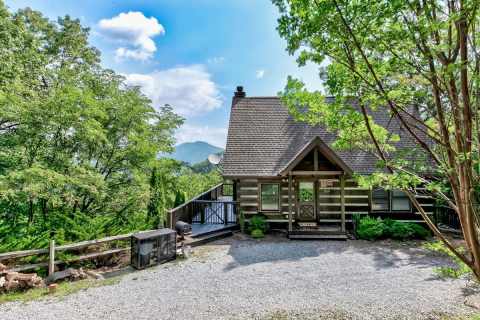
[226, 215]
[67, 247]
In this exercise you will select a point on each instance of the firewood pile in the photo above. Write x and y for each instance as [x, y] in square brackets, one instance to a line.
[16, 281]
[11, 281]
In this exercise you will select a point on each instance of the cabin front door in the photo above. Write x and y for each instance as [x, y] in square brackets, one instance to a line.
[306, 201]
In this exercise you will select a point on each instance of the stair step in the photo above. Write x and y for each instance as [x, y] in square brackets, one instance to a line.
[208, 238]
[307, 224]
[334, 220]
[317, 236]
[316, 232]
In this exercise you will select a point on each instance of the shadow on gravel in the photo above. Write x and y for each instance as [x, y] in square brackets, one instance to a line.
[384, 254]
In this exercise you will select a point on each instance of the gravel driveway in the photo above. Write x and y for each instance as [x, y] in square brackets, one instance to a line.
[271, 279]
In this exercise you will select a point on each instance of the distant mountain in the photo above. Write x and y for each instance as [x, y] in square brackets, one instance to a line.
[194, 152]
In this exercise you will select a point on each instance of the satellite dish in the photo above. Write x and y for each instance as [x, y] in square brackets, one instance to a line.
[214, 159]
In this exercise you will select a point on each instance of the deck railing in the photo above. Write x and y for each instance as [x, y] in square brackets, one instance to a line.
[446, 216]
[214, 206]
[213, 212]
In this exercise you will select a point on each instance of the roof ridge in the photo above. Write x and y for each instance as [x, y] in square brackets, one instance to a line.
[273, 97]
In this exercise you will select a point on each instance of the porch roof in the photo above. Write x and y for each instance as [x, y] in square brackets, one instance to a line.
[263, 138]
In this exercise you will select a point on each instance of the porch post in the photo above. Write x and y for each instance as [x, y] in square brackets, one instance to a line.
[289, 202]
[342, 200]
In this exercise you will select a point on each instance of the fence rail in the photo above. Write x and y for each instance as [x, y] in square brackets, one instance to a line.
[67, 247]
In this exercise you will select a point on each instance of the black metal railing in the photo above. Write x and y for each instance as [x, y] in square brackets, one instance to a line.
[214, 206]
[446, 216]
[214, 212]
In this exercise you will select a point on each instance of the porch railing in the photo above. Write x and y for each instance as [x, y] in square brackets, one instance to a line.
[446, 216]
[214, 212]
[214, 206]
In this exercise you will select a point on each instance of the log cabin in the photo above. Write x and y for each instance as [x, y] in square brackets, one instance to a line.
[288, 172]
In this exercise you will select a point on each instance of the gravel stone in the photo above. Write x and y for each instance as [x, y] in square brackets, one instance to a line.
[271, 279]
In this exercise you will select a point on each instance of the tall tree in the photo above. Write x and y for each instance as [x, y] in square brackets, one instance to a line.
[76, 144]
[418, 61]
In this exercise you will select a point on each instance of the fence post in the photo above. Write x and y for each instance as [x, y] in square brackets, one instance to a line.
[225, 212]
[203, 207]
[51, 258]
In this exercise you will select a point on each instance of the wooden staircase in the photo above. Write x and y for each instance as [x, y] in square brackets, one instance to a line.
[312, 231]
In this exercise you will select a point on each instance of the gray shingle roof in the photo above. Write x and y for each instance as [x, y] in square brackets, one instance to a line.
[263, 138]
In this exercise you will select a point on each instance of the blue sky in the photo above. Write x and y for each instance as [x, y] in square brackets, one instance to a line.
[189, 54]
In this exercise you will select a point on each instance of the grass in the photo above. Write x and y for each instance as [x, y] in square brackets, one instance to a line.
[63, 289]
[341, 315]
[472, 317]
[460, 269]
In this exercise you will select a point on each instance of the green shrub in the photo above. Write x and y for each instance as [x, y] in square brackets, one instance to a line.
[258, 222]
[420, 231]
[399, 230]
[370, 228]
[241, 221]
[257, 233]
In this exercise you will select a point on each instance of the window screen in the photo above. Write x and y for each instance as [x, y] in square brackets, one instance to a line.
[380, 201]
[400, 201]
[270, 196]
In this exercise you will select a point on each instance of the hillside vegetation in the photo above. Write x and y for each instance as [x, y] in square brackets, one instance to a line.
[194, 152]
[78, 148]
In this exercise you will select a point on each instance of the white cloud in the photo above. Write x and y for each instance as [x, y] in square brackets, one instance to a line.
[188, 89]
[135, 31]
[190, 133]
[216, 60]
[259, 74]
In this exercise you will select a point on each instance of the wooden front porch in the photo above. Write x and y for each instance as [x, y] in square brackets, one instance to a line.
[311, 175]
[311, 200]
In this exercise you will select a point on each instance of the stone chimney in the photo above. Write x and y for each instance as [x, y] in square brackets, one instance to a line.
[238, 95]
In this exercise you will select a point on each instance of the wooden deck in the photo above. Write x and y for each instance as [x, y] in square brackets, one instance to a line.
[199, 230]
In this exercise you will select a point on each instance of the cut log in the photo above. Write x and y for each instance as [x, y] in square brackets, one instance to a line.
[11, 276]
[52, 288]
[94, 274]
[12, 285]
[21, 276]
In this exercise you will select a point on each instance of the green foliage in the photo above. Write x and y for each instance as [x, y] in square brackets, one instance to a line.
[420, 232]
[257, 234]
[459, 269]
[258, 222]
[370, 228]
[63, 289]
[306, 195]
[373, 229]
[78, 148]
[241, 221]
[398, 230]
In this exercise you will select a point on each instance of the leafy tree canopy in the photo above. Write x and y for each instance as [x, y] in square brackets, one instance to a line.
[417, 61]
[78, 148]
